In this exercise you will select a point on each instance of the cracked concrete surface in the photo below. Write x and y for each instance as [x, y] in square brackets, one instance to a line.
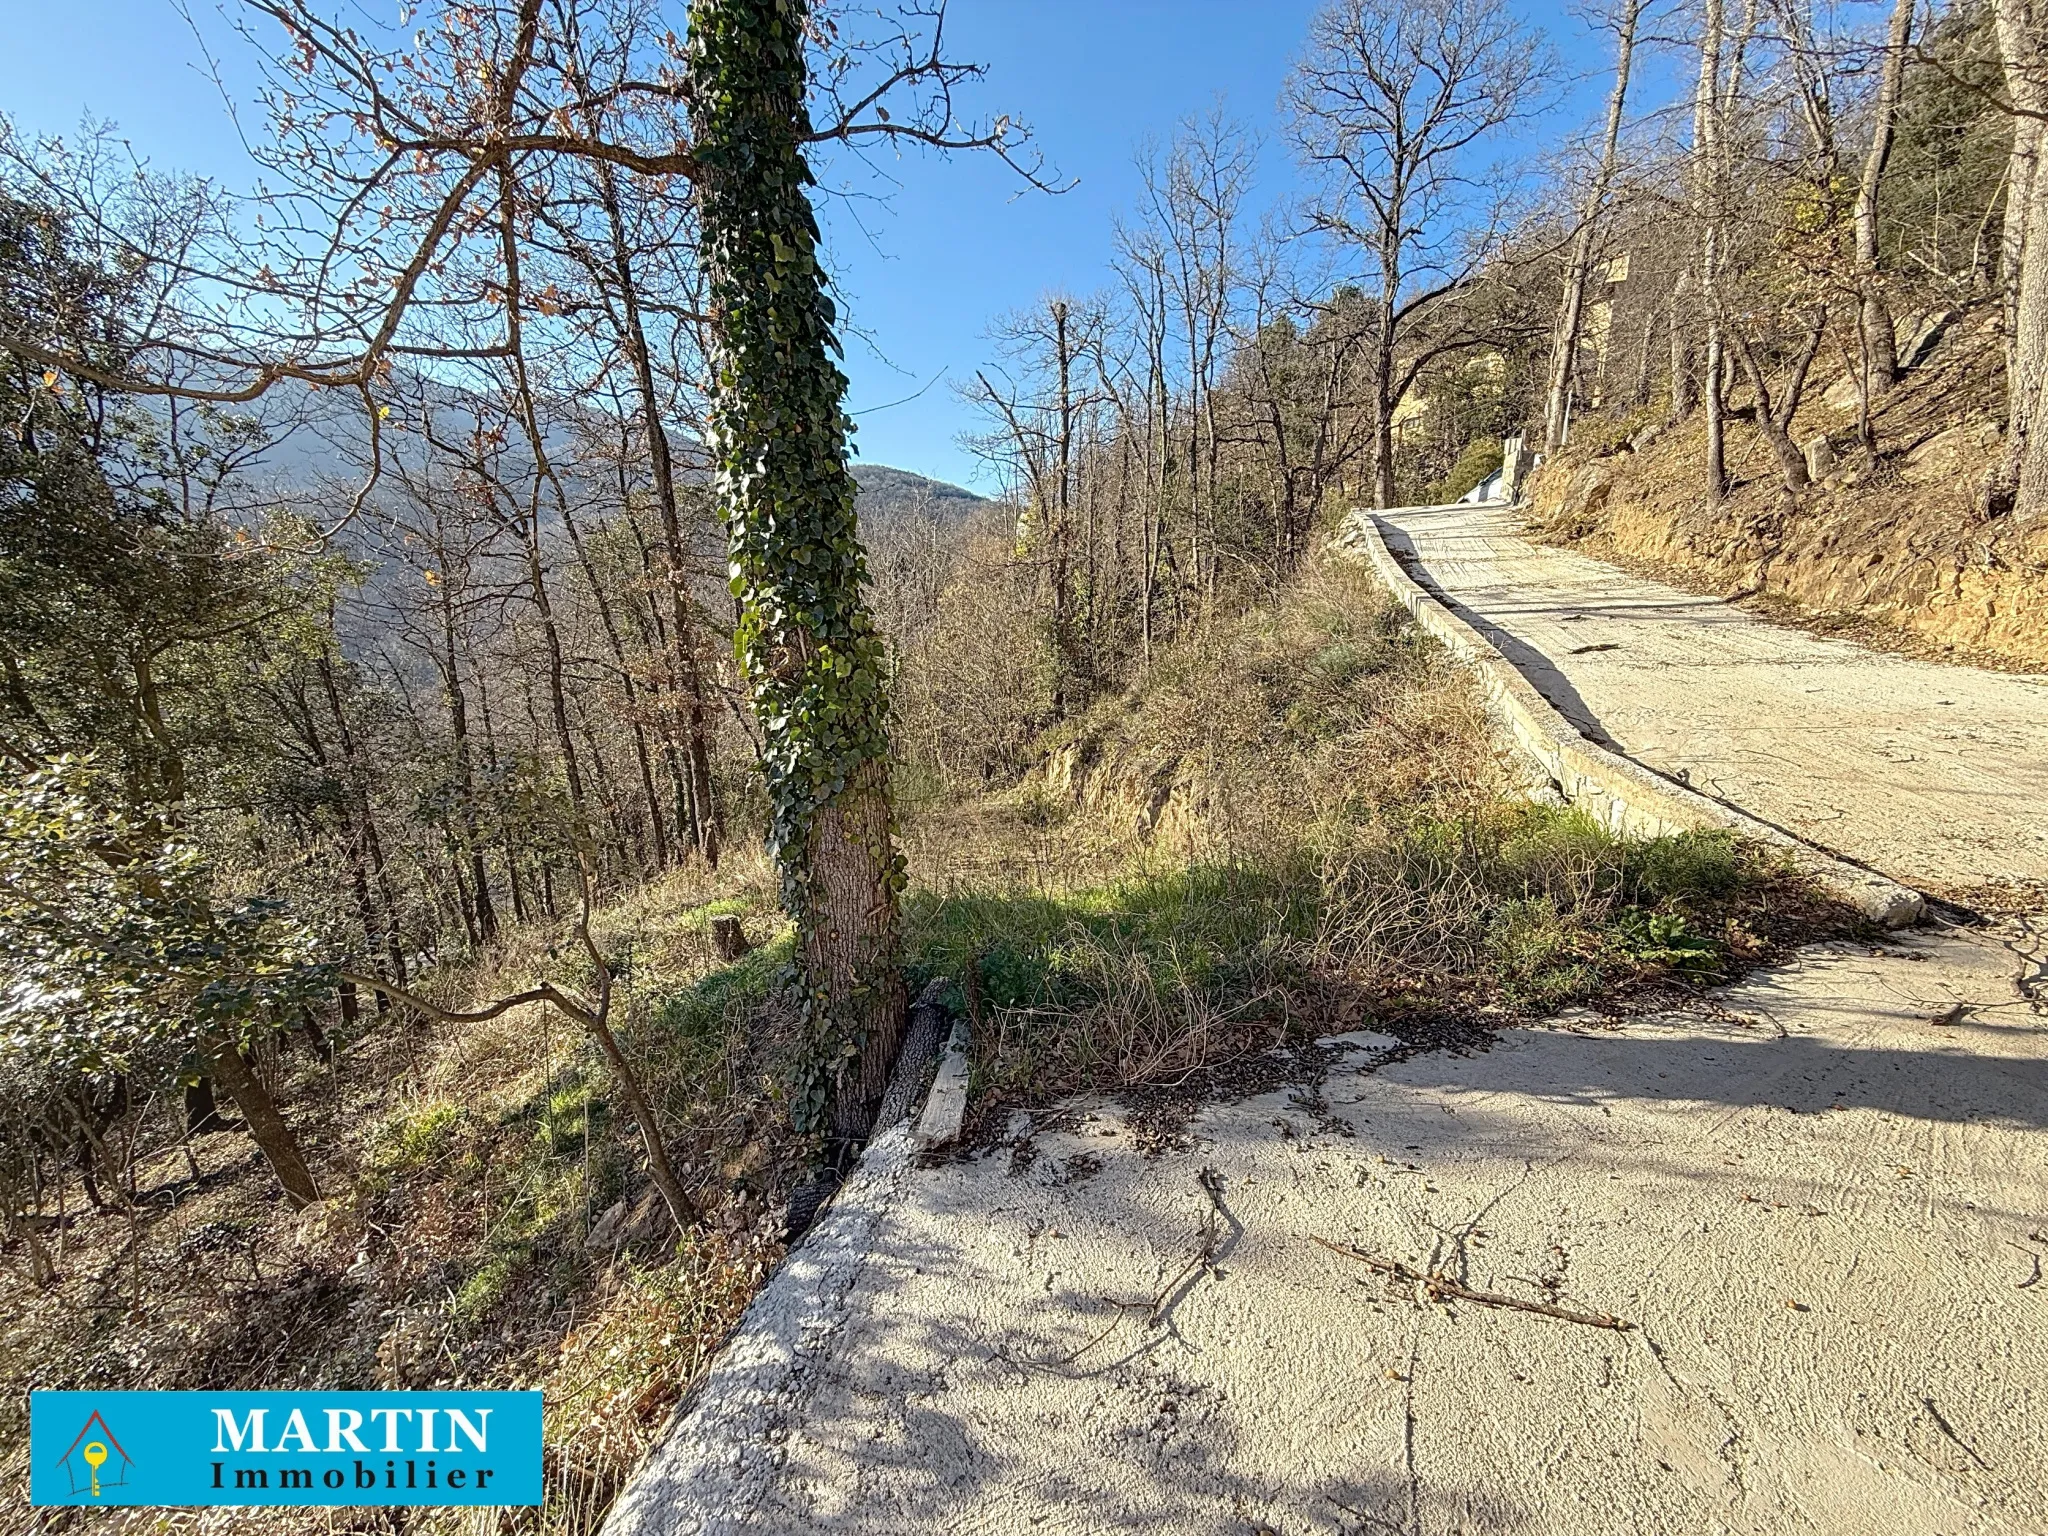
[1821, 1197]
[1936, 775]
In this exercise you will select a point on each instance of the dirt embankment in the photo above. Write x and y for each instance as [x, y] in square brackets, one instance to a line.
[1895, 551]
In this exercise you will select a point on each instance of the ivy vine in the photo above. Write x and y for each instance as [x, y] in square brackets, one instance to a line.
[779, 434]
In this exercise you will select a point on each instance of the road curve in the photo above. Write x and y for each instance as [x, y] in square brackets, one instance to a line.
[1935, 775]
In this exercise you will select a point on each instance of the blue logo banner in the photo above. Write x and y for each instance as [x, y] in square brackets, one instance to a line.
[186, 1448]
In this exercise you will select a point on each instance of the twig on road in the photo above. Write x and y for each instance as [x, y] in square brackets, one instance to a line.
[1441, 1287]
[1205, 1255]
[1155, 1310]
[1946, 1428]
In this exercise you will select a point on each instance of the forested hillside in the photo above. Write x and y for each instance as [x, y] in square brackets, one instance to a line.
[484, 776]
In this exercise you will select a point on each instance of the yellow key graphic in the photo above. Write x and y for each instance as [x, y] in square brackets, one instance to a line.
[95, 1456]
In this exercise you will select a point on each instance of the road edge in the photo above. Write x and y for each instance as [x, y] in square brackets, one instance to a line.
[1622, 794]
[710, 1469]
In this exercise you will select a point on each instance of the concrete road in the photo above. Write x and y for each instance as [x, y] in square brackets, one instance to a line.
[1935, 775]
[1819, 1201]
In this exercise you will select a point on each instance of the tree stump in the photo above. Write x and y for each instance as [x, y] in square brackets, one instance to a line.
[728, 938]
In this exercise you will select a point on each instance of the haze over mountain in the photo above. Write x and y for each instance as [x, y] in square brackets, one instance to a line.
[887, 492]
[328, 447]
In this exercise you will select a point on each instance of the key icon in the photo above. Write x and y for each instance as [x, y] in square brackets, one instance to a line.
[95, 1457]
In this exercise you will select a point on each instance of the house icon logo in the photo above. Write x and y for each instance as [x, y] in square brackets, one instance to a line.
[95, 1459]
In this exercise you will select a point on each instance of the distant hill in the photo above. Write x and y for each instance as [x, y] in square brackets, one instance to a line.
[887, 493]
[330, 445]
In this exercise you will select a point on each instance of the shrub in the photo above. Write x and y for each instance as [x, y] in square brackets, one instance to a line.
[1479, 458]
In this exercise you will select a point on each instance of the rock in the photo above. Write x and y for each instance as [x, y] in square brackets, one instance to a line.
[1159, 795]
[1068, 769]
[646, 1219]
[605, 1230]
[1943, 455]
[1820, 456]
[1921, 331]
[1587, 493]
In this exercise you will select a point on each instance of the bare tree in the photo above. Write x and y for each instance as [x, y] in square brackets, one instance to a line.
[1040, 411]
[1880, 345]
[1709, 199]
[1564, 351]
[1392, 103]
[2019, 484]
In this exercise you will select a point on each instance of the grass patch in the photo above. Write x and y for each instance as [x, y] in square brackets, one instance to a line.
[1509, 911]
[1300, 823]
[414, 1139]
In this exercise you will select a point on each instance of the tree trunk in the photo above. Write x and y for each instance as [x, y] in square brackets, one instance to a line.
[1879, 339]
[2017, 50]
[689, 682]
[1775, 415]
[642, 757]
[681, 1208]
[1383, 401]
[1059, 550]
[1565, 342]
[529, 519]
[266, 1126]
[202, 1114]
[807, 645]
[1684, 385]
[1707, 191]
[484, 913]
[2020, 482]
[1717, 417]
[1791, 462]
[373, 844]
[2028, 387]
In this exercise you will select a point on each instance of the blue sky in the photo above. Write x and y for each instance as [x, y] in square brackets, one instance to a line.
[930, 250]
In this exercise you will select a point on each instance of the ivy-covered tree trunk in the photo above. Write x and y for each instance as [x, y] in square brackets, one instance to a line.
[805, 640]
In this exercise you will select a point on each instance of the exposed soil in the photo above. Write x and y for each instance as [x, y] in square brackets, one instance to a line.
[1894, 553]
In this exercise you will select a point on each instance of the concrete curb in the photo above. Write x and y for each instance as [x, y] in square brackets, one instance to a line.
[1619, 792]
[711, 1468]
[712, 1464]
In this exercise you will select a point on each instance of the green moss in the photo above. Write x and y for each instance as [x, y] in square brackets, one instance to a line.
[481, 1294]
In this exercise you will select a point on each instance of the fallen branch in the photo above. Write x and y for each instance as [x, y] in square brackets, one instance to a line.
[1441, 1287]
[595, 1020]
[1205, 1255]
[1948, 1429]
[1156, 1309]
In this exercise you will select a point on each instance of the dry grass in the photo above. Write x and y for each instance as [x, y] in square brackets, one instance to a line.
[1295, 825]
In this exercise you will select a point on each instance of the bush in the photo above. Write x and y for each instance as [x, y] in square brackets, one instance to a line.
[1295, 822]
[1479, 458]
